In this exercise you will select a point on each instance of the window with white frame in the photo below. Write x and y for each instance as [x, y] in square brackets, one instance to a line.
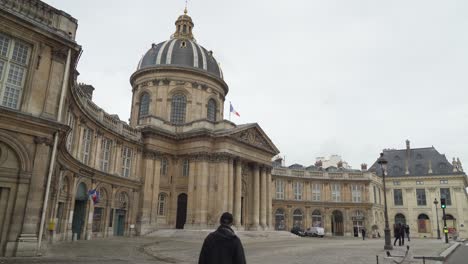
[71, 124]
[86, 145]
[356, 192]
[186, 168]
[316, 191]
[336, 192]
[14, 60]
[279, 189]
[443, 181]
[106, 146]
[297, 188]
[126, 161]
[162, 204]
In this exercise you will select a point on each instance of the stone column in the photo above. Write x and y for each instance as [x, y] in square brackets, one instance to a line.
[238, 194]
[256, 198]
[191, 195]
[230, 190]
[263, 198]
[150, 188]
[89, 223]
[203, 190]
[269, 199]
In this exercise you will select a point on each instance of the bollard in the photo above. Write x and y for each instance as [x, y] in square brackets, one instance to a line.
[377, 257]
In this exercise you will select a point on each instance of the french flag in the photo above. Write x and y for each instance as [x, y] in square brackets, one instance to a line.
[233, 110]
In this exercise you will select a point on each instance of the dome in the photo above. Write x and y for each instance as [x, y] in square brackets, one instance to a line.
[181, 51]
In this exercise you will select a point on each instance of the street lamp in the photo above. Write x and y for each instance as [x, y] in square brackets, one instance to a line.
[383, 165]
[437, 217]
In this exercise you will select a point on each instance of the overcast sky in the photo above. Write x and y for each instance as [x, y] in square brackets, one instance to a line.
[322, 77]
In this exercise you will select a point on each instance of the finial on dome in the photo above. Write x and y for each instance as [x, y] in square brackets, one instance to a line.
[185, 9]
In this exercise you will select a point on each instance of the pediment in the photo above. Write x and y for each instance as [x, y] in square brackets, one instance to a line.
[254, 136]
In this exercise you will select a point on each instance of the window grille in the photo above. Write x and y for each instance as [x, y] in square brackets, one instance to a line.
[445, 193]
[178, 107]
[336, 192]
[316, 191]
[398, 197]
[421, 197]
[164, 166]
[106, 146]
[71, 124]
[297, 191]
[144, 105]
[14, 59]
[162, 204]
[186, 168]
[87, 139]
[279, 189]
[356, 191]
[126, 161]
[211, 111]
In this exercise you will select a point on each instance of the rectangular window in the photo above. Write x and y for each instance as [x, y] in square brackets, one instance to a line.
[14, 59]
[297, 190]
[356, 192]
[279, 189]
[316, 191]
[106, 146]
[397, 197]
[71, 124]
[443, 181]
[164, 165]
[445, 193]
[336, 192]
[126, 161]
[186, 168]
[396, 182]
[86, 147]
[421, 197]
[419, 183]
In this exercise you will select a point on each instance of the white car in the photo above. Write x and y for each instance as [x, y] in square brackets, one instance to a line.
[316, 232]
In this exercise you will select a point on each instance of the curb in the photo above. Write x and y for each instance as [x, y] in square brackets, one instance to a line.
[450, 250]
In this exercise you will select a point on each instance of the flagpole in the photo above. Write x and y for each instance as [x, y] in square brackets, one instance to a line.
[229, 111]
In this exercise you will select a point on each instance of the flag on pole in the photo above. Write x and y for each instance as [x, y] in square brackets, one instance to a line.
[233, 110]
[94, 195]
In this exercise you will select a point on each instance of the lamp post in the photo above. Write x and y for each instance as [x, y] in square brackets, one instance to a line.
[437, 217]
[383, 165]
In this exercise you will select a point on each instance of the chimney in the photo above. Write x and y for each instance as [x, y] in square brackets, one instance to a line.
[407, 144]
[407, 157]
[364, 167]
[339, 164]
[460, 168]
[455, 165]
[430, 167]
[318, 164]
[87, 90]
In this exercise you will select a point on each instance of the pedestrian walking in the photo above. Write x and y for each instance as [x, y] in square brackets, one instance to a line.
[396, 231]
[407, 232]
[363, 232]
[222, 246]
[402, 234]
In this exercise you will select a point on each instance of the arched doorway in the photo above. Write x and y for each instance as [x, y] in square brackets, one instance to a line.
[122, 203]
[297, 218]
[317, 219]
[279, 220]
[423, 224]
[400, 219]
[337, 223]
[451, 223]
[181, 210]
[358, 222]
[79, 212]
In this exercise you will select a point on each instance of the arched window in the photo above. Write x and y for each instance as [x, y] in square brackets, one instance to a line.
[279, 220]
[164, 166]
[423, 223]
[211, 111]
[400, 219]
[144, 105]
[317, 219]
[186, 168]
[162, 204]
[297, 218]
[178, 106]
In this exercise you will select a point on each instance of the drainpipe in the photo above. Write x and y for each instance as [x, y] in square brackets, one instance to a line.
[65, 82]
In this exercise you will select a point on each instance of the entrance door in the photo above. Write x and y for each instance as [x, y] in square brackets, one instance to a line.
[78, 218]
[181, 210]
[357, 227]
[119, 228]
[337, 223]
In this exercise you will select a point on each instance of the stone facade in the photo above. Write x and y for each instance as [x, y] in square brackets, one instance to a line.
[163, 170]
[343, 202]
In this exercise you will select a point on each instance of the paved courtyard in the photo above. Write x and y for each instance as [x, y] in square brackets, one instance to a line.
[258, 250]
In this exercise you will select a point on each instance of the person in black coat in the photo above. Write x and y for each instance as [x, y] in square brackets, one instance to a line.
[222, 246]
[407, 232]
[363, 232]
[402, 235]
[396, 230]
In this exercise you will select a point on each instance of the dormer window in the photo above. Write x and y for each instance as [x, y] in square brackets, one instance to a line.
[419, 156]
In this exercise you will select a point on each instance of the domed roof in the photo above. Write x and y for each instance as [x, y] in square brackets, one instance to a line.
[182, 51]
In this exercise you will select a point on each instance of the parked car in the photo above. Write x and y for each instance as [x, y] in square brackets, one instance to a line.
[315, 232]
[298, 231]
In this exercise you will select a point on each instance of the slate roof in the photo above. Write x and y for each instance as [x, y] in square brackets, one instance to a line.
[418, 162]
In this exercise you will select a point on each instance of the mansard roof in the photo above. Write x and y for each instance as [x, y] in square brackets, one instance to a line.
[419, 161]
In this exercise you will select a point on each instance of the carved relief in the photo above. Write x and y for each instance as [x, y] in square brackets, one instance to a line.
[253, 137]
[43, 140]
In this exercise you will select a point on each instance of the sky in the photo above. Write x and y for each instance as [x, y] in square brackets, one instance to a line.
[346, 77]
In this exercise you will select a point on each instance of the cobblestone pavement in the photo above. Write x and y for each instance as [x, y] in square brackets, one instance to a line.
[166, 250]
